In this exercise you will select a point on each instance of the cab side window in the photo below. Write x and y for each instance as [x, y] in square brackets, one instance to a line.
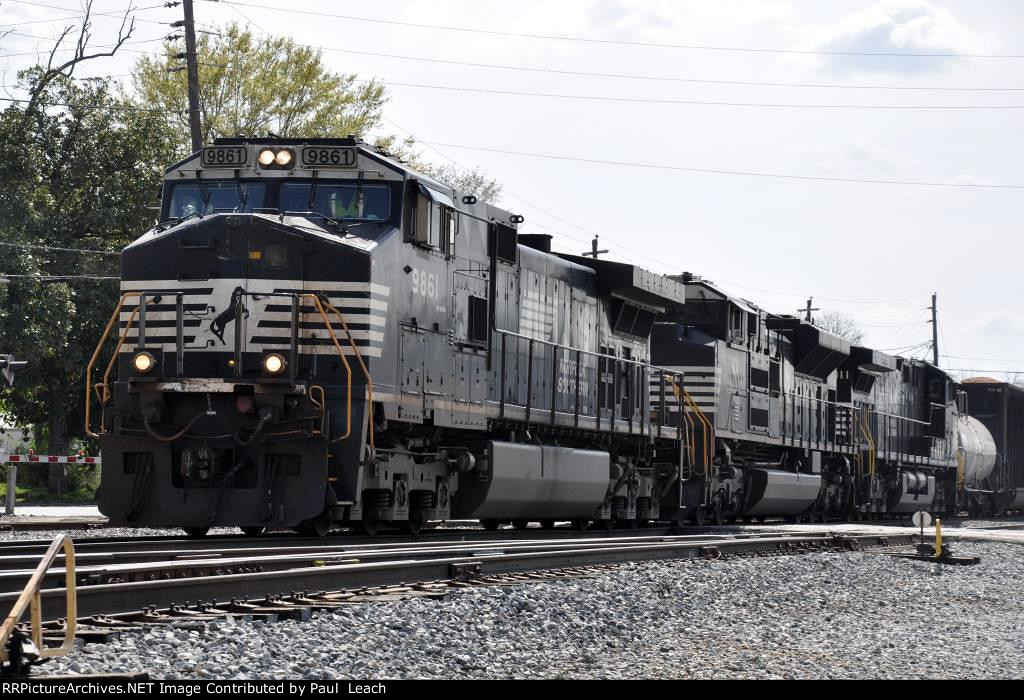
[426, 222]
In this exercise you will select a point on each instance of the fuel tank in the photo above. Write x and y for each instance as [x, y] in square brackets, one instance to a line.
[979, 449]
[778, 492]
[916, 492]
[530, 481]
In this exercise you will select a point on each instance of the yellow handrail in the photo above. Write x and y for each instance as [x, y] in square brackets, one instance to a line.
[706, 427]
[688, 428]
[341, 354]
[319, 404]
[359, 357]
[95, 356]
[30, 598]
[866, 432]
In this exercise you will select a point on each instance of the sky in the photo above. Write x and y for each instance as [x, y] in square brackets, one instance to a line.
[672, 183]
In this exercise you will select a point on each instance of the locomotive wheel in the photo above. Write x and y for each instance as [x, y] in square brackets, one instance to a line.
[196, 533]
[717, 515]
[318, 527]
[490, 524]
[254, 531]
[414, 524]
[520, 524]
[697, 516]
[547, 524]
[581, 524]
[761, 518]
[369, 527]
[606, 523]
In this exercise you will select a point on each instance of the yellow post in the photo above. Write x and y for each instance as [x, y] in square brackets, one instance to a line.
[938, 538]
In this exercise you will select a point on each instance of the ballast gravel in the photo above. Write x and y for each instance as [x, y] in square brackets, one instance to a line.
[830, 615]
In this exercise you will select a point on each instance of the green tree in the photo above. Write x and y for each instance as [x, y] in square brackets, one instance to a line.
[254, 85]
[86, 171]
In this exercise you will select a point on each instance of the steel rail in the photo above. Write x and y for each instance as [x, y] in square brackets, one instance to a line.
[145, 565]
[115, 598]
[112, 545]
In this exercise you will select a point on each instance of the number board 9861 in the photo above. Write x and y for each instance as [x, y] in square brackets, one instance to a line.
[328, 157]
[225, 156]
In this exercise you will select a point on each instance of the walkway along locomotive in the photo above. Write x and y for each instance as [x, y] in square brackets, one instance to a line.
[316, 335]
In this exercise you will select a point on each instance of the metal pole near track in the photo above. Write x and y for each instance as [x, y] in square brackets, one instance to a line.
[12, 481]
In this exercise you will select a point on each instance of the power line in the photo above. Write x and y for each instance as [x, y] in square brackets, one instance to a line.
[635, 253]
[976, 369]
[717, 171]
[592, 40]
[983, 359]
[74, 48]
[63, 250]
[630, 76]
[113, 108]
[101, 46]
[532, 205]
[39, 21]
[697, 103]
[94, 13]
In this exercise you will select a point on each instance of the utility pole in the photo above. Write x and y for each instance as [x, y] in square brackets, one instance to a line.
[808, 310]
[594, 252]
[935, 330]
[192, 63]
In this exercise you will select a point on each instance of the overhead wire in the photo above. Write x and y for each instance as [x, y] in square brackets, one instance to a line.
[692, 103]
[719, 171]
[614, 42]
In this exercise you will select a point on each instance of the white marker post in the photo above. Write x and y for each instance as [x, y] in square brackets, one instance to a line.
[922, 520]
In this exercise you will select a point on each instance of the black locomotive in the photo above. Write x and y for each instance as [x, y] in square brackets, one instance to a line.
[318, 336]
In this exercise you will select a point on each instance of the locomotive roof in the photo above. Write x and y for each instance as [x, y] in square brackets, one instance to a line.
[366, 149]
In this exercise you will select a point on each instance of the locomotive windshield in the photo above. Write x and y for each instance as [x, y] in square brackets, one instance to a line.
[351, 201]
[188, 198]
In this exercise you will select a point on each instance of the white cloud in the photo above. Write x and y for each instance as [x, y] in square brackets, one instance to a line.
[863, 159]
[972, 179]
[899, 26]
[998, 322]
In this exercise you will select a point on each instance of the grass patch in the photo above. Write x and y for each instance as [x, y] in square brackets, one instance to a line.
[40, 494]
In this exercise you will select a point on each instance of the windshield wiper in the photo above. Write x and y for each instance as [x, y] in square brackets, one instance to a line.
[243, 192]
[335, 223]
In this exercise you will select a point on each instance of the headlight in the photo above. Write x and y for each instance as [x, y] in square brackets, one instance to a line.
[274, 363]
[276, 158]
[143, 362]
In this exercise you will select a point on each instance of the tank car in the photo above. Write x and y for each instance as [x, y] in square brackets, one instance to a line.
[995, 445]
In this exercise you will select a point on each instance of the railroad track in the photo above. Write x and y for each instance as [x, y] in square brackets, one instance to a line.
[205, 580]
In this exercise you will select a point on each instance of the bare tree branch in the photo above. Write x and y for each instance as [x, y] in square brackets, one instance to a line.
[67, 68]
